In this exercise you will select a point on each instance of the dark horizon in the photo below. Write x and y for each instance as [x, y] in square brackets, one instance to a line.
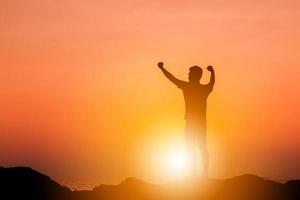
[26, 183]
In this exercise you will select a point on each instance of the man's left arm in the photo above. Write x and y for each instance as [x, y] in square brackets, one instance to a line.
[212, 76]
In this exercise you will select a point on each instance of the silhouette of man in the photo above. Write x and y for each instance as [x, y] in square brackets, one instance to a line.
[195, 96]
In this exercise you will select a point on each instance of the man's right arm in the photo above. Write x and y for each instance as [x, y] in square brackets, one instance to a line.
[172, 78]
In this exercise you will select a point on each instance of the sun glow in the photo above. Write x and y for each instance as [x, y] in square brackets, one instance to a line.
[164, 157]
[177, 162]
[173, 162]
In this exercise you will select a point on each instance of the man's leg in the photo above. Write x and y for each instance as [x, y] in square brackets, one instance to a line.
[191, 151]
[204, 150]
[205, 160]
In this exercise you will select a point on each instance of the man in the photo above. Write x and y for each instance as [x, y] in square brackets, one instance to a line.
[195, 96]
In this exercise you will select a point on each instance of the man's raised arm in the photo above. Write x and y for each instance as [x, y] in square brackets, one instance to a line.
[172, 78]
[212, 76]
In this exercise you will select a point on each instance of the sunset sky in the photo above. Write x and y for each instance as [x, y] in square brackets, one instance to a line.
[83, 100]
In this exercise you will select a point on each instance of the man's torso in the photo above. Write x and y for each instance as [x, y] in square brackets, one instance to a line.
[195, 96]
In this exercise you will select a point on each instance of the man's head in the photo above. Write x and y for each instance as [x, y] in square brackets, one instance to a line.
[195, 74]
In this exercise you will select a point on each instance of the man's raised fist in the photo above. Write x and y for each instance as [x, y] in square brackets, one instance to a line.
[160, 65]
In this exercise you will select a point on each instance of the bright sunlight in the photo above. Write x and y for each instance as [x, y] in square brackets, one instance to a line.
[177, 161]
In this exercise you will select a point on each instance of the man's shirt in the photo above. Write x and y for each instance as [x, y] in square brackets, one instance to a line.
[195, 96]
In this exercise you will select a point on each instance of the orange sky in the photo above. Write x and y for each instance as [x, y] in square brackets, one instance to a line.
[82, 98]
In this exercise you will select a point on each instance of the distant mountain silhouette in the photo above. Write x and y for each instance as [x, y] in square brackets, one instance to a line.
[25, 183]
